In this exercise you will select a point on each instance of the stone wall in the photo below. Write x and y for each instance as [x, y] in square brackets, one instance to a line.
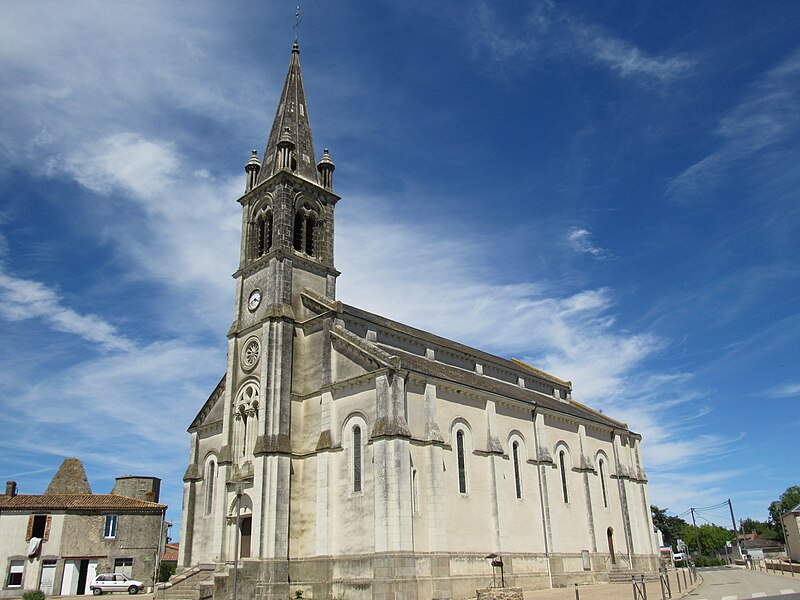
[137, 538]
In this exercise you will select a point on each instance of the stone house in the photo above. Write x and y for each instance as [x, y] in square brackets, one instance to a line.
[58, 541]
[347, 454]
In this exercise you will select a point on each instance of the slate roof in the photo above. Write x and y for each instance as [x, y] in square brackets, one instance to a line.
[413, 332]
[425, 366]
[77, 502]
[421, 364]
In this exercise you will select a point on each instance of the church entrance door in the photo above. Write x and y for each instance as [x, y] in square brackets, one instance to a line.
[610, 535]
[244, 530]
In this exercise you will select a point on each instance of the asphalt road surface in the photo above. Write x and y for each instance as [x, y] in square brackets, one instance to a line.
[723, 583]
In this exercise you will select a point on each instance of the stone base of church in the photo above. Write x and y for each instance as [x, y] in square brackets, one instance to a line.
[408, 576]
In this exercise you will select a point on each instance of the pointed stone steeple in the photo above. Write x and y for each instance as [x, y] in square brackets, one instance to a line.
[291, 121]
[69, 479]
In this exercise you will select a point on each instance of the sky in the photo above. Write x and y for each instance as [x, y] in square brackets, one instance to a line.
[607, 191]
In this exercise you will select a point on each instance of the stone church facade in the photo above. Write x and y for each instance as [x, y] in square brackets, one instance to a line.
[369, 459]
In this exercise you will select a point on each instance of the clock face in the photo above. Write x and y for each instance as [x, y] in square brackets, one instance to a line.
[255, 300]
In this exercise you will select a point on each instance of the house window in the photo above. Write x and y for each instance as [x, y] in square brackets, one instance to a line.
[517, 479]
[15, 574]
[601, 466]
[38, 527]
[124, 566]
[356, 458]
[462, 466]
[110, 530]
[210, 475]
[562, 463]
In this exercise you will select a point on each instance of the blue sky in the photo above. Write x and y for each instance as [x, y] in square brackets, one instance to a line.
[608, 191]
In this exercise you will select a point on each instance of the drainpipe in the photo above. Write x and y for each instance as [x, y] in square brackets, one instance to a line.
[541, 494]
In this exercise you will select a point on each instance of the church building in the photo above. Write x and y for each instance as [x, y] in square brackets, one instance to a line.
[347, 455]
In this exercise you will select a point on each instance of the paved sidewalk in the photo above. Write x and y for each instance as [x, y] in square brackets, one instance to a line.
[610, 591]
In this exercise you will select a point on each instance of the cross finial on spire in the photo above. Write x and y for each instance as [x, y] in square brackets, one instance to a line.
[297, 22]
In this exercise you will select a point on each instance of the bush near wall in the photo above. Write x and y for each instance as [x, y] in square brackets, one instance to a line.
[708, 561]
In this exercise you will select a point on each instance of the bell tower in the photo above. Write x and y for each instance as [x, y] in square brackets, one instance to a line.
[286, 250]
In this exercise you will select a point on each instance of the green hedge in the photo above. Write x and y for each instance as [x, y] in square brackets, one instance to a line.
[708, 561]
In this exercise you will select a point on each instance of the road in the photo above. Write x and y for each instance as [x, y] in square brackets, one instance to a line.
[723, 583]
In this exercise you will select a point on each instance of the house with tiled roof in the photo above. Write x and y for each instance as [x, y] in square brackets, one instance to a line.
[58, 541]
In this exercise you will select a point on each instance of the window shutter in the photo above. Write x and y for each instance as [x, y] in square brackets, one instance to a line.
[47, 528]
[30, 529]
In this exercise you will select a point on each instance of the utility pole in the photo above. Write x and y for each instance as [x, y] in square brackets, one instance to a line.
[697, 533]
[733, 521]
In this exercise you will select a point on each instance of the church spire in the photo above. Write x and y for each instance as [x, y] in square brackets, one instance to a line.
[291, 121]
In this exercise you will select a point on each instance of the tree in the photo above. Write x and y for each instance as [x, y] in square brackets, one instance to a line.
[788, 500]
[711, 537]
[671, 527]
[764, 528]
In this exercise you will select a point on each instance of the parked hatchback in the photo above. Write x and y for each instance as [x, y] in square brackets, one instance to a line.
[115, 582]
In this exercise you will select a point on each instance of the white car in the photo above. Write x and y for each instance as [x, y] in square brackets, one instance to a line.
[115, 582]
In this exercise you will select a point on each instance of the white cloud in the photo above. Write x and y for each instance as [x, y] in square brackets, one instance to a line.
[580, 240]
[767, 116]
[551, 33]
[625, 58]
[22, 299]
[787, 390]
[180, 228]
[123, 161]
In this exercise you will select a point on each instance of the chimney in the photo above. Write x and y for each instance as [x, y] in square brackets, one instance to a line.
[11, 488]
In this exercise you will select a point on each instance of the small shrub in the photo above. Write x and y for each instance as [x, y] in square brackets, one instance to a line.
[298, 595]
[33, 595]
[166, 570]
[708, 561]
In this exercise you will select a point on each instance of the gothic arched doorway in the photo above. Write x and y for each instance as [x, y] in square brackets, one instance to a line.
[610, 536]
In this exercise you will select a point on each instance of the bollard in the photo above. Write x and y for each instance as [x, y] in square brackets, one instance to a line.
[644, 588]
[577, 594]
[686, 585]
[678, 579]
[663, 591]
[633, 583]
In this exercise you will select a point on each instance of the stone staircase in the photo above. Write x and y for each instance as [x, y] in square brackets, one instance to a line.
[192, 584]
[622, 574]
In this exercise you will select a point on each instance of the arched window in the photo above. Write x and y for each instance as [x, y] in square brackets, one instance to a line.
[562, 459]
[310, 223]
[305, 224]
[517, 478]
[462, 466]
[356, 458]
[601, 466]
[245, 424]
[263, 233]
[211, 473]
[414, 493]
[299, 230]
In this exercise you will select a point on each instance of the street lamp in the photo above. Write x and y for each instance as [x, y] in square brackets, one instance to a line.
[236, 536]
